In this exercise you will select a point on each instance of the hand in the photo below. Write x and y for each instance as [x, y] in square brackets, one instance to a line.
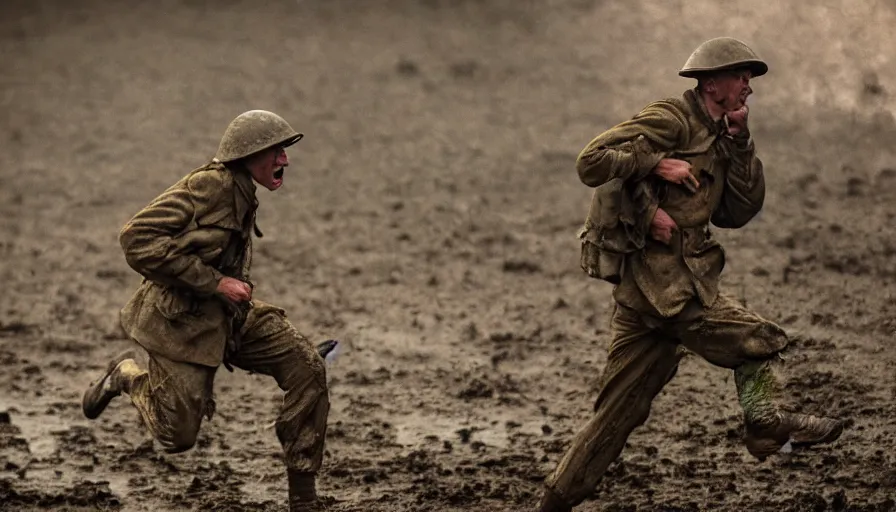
[676, 171]
[737, 120]
[661, 226]
[234, 289]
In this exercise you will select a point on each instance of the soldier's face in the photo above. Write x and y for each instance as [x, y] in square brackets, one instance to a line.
[730, 90]
[268, 167]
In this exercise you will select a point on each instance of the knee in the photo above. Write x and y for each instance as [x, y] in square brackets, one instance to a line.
[767, 341]
[775, 336]
[181, 441]
[306, 368]
[306, 380]
[179, 437]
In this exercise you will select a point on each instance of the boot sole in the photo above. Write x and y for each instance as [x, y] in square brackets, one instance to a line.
[325, 347]
[832, 436]
[95, 399]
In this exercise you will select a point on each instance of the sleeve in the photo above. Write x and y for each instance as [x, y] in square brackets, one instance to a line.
[148, 239]
[633, 148]
[744, 192]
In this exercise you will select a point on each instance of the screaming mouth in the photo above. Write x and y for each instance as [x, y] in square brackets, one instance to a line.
[278, 173]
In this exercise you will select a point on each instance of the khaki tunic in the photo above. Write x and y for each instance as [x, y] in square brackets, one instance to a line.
[178, 243]
[668, 299]
[183, 243]
[661, 278]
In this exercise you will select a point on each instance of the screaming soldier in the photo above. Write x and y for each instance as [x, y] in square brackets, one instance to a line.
[195, 311]
[660, 179]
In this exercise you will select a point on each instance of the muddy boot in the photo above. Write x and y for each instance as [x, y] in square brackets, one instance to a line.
[800, 430]
[303, 492]
[110, 385]
[551, 502]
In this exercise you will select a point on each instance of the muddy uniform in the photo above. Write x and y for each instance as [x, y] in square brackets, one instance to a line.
[669, 295]
[183, 243]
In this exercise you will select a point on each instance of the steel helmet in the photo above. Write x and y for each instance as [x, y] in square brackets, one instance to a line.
[254, 131]
[720, 54]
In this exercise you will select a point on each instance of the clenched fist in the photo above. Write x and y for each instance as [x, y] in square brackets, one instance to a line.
[661, 226]
[676, 171]
[737, 120]
[234, 289]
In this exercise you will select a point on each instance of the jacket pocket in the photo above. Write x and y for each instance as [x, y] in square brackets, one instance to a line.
[597, 260]
[174, 304]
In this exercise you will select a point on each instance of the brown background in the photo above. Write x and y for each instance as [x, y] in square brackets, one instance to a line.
[428, 221]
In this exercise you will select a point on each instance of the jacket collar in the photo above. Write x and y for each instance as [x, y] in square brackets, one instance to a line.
[692, 96]
[245, 200]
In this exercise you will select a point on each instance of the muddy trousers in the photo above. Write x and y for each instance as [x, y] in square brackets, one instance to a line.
[172, 397]
[644, 356]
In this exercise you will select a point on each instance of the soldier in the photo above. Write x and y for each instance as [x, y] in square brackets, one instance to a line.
[695, 157]
[195, 309]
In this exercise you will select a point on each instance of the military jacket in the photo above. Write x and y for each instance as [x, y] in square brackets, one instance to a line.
[660, 279]
[183, 243]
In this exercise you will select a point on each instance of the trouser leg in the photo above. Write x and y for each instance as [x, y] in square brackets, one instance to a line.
[728, 335]
[171, 397]
[639, 364]
[272, 346]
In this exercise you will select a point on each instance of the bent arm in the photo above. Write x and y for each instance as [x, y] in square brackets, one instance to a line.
[744, 192]
[630, 150]
[148, 239]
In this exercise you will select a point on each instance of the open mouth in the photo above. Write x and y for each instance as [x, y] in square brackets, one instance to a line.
[278, 174]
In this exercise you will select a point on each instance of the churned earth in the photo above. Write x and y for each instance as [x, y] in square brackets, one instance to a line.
[428, 221]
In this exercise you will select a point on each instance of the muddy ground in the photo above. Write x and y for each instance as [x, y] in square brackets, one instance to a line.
[428, 221]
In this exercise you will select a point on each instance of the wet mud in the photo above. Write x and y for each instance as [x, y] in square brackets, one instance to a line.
[428, 221]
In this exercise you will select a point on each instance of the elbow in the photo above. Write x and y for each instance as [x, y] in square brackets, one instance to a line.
[135, 260]
[731, 223]
[589, 174]
[589, 180]
[135, 254]
[727, 220]
[126, 242]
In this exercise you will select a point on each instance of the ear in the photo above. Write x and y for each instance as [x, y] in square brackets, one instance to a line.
[706, 83]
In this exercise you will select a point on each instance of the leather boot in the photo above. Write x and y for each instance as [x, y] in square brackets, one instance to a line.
[302, 492]
[800, 430]
[110, 384]
[551, 502]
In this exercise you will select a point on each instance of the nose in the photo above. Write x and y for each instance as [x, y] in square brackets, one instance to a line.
[282, 158]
